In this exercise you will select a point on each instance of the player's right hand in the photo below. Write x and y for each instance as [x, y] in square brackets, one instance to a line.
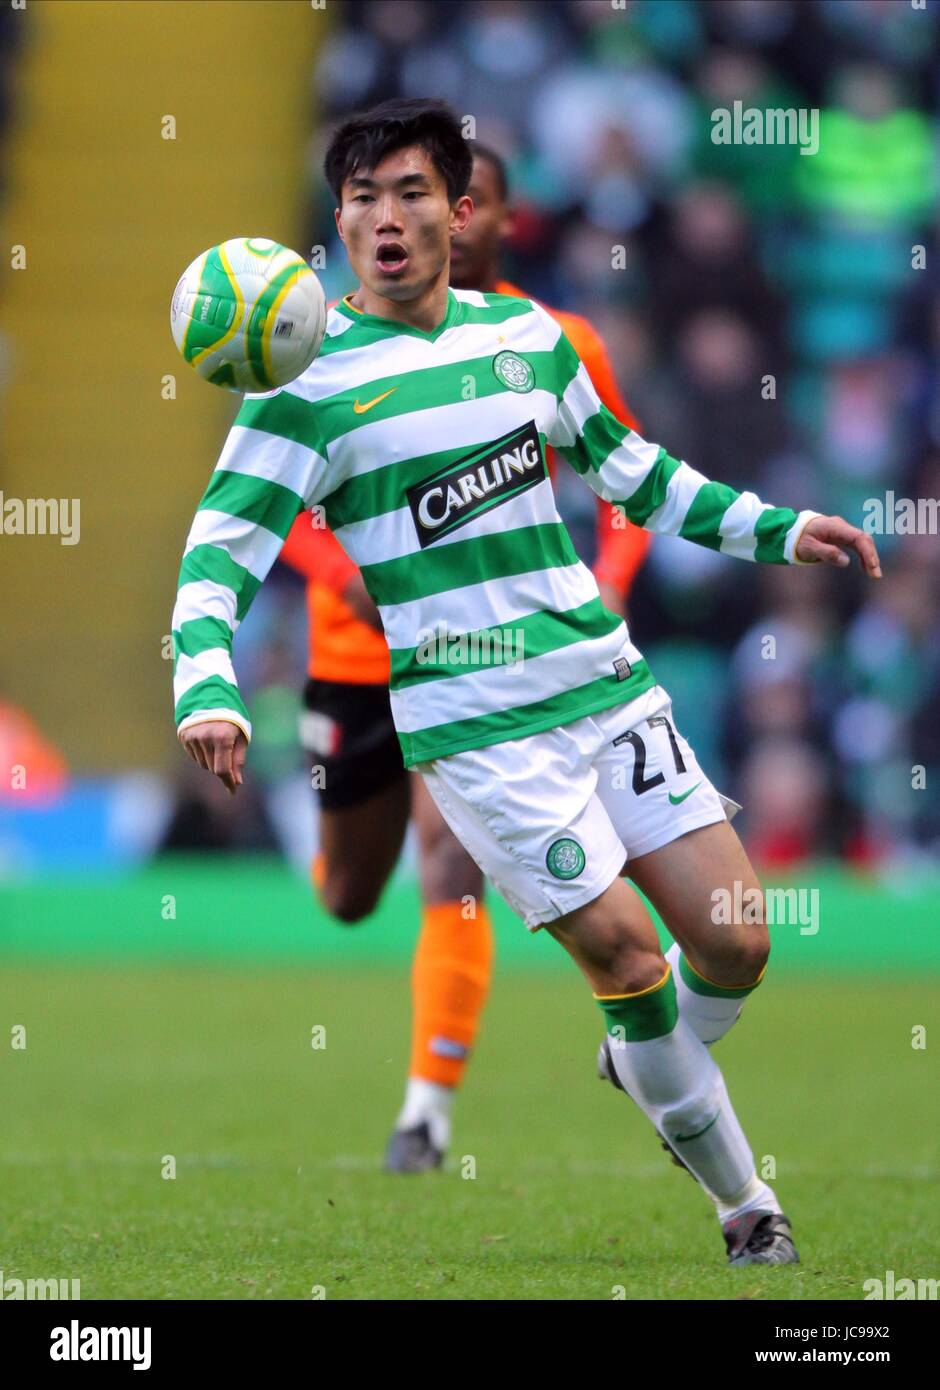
[219, 747]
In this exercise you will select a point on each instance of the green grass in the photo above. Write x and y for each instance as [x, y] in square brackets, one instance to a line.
[278, 1145]
[253, 908]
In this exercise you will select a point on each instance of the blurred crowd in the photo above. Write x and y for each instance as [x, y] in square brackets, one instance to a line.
[773, 318]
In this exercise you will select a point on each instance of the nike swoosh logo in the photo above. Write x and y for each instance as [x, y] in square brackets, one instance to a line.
[361, 409]
[674, 800]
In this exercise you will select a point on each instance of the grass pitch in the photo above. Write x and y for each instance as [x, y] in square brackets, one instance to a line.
[277, 1144]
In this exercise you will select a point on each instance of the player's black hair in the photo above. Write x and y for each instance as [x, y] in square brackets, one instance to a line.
[492, 157]
[363, 141]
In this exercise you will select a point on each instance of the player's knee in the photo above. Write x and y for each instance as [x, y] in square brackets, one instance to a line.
[750, 953]
[755, 951]
[347, 899]
[740, 958]
[631, 969]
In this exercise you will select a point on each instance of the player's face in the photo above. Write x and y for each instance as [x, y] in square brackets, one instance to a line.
[474, 251]
[396, 222]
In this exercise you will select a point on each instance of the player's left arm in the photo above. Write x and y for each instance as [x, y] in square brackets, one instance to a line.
[667, 496]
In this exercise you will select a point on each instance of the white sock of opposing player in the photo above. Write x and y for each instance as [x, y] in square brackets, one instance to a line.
[428, 1101]
[673, 1078]
[710, 1010]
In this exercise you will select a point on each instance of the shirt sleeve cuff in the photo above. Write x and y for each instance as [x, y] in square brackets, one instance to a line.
[221, 716]
[793, 538]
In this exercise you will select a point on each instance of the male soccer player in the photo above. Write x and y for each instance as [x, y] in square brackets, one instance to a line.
[366, 795]
[560, 766]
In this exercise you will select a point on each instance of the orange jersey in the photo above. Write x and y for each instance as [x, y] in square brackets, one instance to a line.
[344, 648]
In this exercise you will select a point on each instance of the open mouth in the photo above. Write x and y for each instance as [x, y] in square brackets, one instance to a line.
[391, 257]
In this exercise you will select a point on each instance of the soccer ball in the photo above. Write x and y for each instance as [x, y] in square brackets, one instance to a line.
[248, 315]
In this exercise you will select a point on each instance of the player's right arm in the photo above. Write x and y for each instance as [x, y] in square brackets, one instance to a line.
[269, 470]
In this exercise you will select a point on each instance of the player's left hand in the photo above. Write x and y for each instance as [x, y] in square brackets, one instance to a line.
[827, 538]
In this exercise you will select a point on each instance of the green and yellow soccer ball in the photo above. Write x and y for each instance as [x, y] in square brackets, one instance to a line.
[248, 315]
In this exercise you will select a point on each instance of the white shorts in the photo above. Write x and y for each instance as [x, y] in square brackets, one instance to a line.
[551, 819]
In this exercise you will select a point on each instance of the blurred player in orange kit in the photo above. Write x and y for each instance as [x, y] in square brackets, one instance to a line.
[366, 796]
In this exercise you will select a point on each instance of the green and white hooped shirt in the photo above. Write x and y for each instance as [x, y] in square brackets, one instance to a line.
[425, 453]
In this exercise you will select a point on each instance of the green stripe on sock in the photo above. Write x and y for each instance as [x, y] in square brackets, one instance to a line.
[685, 1138]
[699, 986]
[640, 1017]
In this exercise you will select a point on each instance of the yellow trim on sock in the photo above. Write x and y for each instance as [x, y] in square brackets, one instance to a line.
[638, 993]
[717, 984]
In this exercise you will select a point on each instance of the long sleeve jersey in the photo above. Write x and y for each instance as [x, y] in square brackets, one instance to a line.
[341, 647]
[426, 450]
